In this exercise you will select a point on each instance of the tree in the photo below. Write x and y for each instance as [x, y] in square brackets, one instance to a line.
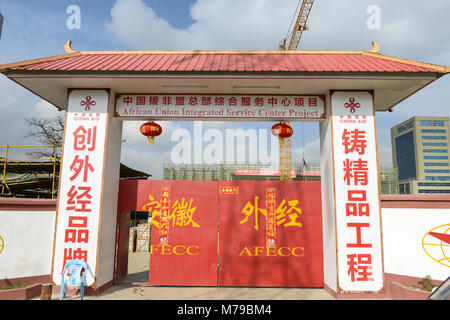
[47, 132]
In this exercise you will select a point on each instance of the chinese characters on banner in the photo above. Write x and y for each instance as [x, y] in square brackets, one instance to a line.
[181, 212]
[357, 200]
[228, 190]
[286, 213]
[185, 107]
[164, 218]
[271, 226]
[81, 181]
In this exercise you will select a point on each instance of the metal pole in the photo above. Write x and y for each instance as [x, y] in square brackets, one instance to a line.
[1, 25]
[4, 170]
[54, 169]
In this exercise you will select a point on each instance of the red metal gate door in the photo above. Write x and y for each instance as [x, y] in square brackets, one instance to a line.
[245, 257]
[190, 256]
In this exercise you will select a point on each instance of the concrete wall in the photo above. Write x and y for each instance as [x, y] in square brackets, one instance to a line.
[409, 249]
[27, 230]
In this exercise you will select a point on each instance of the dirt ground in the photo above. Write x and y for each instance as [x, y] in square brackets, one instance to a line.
[138, 266]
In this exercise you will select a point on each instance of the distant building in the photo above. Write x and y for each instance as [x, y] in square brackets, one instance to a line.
[388, 181]
[421, 155]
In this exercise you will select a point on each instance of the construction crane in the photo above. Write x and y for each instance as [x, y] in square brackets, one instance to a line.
[293, 35]
[295, 31]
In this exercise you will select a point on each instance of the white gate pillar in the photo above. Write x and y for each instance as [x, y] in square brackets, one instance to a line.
[88, 186]
[351, 211]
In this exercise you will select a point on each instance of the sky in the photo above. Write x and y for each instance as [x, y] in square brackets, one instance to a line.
[411, 29]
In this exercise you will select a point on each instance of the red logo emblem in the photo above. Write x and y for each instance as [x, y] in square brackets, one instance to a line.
[352, 105]
[88, 103]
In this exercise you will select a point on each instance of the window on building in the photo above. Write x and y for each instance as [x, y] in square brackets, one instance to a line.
[434, 190]
[402, 188]
[433, 184]
[437, 178]
[434, 137]
[435, 150]
[406, 160]
[433, 131]
[407, 188]
[405, 127]
[435, 157]
[434, 144]
[435, 164]
[432, 123]
[437, 171]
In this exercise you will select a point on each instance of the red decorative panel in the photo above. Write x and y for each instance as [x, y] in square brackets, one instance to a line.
[190, 256]
[225, 221]
[296, 260]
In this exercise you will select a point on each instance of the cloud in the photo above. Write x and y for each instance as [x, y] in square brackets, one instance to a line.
[310, 152]
[46, 110]
[16, 105]
[145, 160]
[133, 137]
[385, 156]
[219, 24]
[262, 24]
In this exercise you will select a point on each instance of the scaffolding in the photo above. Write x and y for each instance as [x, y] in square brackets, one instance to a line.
[389, 181]
[235, 172]
[26, 175]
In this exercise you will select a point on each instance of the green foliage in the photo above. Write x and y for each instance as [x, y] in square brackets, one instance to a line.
[424, 284]
[8, 285]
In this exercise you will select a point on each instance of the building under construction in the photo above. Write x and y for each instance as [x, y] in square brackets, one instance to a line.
[26, 173]
[239, 172]
[234, 172]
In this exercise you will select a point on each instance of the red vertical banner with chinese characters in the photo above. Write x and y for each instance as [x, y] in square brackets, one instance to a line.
[165, 213]
[357, 196]
[79, 198]
[271, 226]
[270, 234]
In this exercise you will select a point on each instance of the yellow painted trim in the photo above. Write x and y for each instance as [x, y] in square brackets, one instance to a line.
[438, 68]
[32, 61]
[375, 47]
[222, 52]
[68, 47]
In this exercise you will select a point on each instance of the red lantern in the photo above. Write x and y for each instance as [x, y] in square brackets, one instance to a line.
[282, 130]
[151, 130]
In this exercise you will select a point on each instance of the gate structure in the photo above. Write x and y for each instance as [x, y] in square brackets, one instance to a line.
[229, 233]
[341, 90]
